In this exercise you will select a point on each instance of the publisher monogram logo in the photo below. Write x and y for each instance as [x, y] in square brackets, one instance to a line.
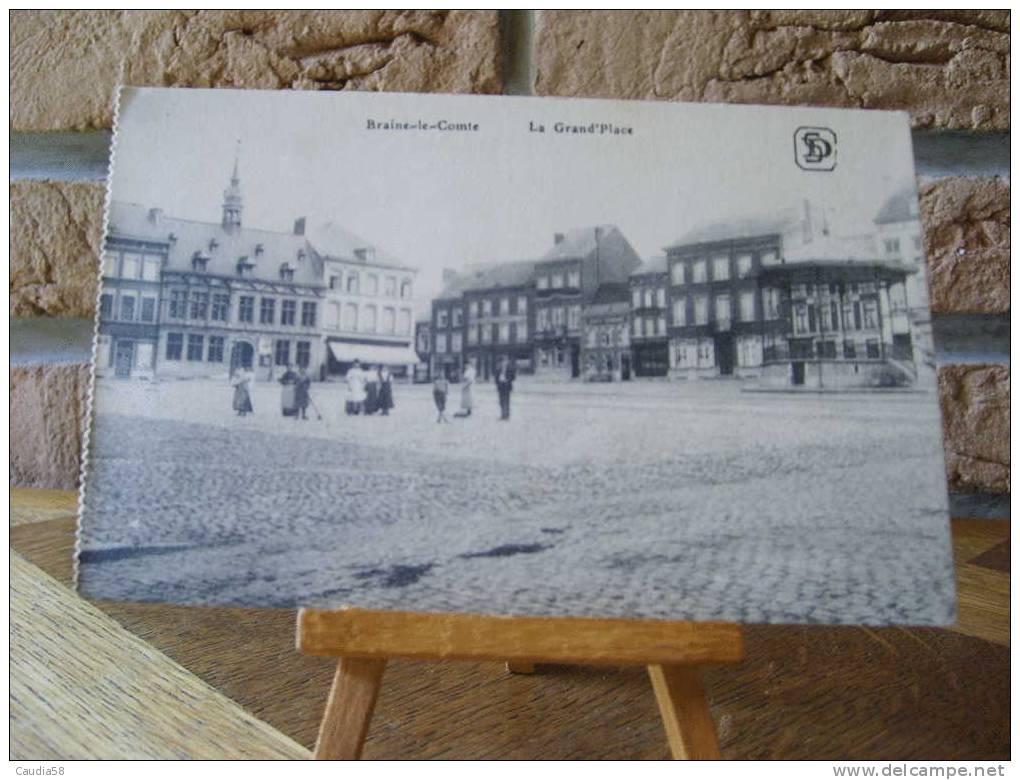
[814, 148]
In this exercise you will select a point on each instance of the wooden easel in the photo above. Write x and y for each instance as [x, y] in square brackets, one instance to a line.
[364, 639]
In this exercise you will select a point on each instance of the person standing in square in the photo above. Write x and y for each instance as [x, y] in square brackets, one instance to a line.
[355, 388]
[385, 380]
[467, 382]
[440, 387]
[505, 376]
[302, 393]
[241, 382]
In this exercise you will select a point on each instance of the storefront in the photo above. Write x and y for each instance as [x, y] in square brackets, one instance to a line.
[651, 358]
[399, 358]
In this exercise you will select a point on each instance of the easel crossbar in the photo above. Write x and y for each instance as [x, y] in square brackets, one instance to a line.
[360, 633]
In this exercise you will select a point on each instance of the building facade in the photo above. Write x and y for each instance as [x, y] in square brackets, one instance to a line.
[840, 330]
[566, 280]
[499, 305]
[649, 283]
[447, 328]
[606, 342]
[900, 241]
[719, 315]
[530, 310]
[788, 308]
[185, 298]
[368, 304]
[129, 305]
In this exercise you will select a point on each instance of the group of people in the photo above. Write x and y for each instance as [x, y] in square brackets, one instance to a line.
[505, 375]
[294, 400]
[371, 390]
[368, 390]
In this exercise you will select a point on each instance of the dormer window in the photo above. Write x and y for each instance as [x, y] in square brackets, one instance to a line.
[199, 261]
[301, 254]
[365, 254]
[244, 266]
[286, 272]
[213, 243]
[172, 238]
[259, 249]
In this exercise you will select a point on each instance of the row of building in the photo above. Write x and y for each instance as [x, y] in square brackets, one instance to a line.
[186, 298]
[780, 301]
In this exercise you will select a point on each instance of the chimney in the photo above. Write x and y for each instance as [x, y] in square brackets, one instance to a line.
[808, 230]
[299, 226]
[155, 216]
[558, 238]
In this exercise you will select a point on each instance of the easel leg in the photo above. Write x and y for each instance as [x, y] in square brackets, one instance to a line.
[349, 708]
[685, 714]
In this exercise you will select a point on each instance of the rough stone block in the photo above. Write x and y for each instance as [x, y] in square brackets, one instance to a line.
[48, 405]
[975, 418]
[949, 69]
[967, 245]
[55, 239]
[65, 65]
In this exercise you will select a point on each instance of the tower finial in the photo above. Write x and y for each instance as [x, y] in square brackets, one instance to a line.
[233, 203]
[235, 179]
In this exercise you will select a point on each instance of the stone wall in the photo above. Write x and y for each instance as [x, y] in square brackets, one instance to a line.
[399, 51]
[948, 69]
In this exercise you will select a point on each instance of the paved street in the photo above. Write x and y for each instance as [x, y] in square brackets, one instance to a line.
[655, 499]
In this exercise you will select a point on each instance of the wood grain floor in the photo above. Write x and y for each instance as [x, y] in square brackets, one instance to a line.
[803, 692]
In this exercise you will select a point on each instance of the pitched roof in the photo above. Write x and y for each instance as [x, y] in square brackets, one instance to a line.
[518, 273]
[824, 249]
[653, 265]
[222, 247]
[746, 227]
[225, 247]
[489, 276]
[334, 242]
[901, 207]
[579, 242]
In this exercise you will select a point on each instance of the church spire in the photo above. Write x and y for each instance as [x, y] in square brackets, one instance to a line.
[233, 203]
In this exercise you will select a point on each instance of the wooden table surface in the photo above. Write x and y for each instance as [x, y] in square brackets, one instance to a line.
[119, 680]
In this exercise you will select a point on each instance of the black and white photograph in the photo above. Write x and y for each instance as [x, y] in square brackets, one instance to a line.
[515, 356]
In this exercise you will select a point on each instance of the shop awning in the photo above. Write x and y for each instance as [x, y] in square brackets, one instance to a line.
[375, 354]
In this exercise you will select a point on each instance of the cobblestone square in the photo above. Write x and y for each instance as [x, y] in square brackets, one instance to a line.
[684, 500]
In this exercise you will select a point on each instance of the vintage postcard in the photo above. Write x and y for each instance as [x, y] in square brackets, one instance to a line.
[515, 356]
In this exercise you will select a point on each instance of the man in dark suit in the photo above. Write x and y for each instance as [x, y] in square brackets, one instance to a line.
[505, 376]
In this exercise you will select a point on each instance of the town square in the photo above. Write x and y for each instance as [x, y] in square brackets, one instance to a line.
[617, 499]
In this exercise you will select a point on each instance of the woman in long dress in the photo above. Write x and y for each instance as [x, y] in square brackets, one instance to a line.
[467, 382]
[288, 401]
[440, 387]
[242, 391]
[355, 389]
[385, 380]
[371, 378]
